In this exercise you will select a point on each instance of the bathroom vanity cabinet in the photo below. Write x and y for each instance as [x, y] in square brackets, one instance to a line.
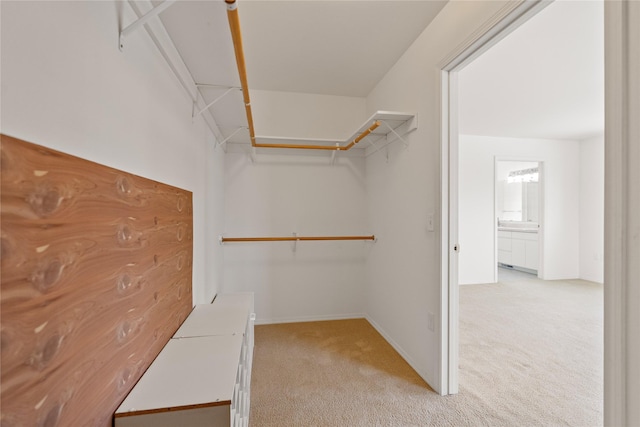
[518, 248]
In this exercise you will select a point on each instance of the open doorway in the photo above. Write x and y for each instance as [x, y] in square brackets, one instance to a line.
[515, 102]
[455, 153]
[518, 211]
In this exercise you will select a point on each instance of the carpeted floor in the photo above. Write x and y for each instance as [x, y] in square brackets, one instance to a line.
[530, 355]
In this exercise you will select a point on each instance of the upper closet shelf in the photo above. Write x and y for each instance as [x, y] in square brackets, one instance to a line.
[381, 129]
[378, 131]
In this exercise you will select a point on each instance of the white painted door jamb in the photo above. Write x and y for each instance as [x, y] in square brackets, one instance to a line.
[622, 222]
[511, 16]
[622, 200]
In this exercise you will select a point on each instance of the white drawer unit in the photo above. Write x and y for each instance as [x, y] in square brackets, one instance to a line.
[504, 247]
[202, 377]
[518, 249]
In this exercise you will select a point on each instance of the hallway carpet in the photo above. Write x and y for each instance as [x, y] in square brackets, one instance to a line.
[530, 355]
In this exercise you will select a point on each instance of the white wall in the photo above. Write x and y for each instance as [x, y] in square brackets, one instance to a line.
[403, 268]
[592, 209]
[285, 192]
[66, 85]
[280, 194]
[560, 189]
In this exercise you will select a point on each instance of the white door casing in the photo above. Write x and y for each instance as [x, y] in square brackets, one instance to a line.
[508, 18]
[622, 200]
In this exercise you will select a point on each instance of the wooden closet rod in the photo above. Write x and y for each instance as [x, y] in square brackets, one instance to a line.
[293, 238]
[236, 35]
[324, 147]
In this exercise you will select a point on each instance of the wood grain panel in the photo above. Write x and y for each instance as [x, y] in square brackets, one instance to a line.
[96, 278]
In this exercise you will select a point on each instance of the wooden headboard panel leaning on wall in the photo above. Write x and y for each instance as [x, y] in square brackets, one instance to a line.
[96, 277]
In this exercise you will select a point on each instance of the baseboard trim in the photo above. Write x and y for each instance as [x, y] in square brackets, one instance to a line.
[310, 318]
[402, 353]
[517, 268]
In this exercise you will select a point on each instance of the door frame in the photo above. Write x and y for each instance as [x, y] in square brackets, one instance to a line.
[541, 208]
[507, 19]
[622, 133]
[622, 202]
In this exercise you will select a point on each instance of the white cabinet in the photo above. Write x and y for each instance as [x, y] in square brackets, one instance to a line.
[531, 249]
[518, 252]
[504, 247]
[518, 249]
[202, 377]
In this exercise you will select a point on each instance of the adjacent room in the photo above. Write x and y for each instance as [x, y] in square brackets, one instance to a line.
[532, 214]
[234, 213]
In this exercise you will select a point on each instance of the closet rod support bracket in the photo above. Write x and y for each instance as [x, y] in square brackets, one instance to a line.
[209, 105]
[406, 144]
[224, 141]
[142, 20]
[333, 153]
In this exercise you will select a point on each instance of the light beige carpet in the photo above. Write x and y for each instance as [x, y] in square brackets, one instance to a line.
[530, 355]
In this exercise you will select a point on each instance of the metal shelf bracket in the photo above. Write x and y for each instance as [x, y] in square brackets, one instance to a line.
[229, 89]
[143, 20]
[224, 141]
[406, 144]
[333, 153]
[252, 154]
